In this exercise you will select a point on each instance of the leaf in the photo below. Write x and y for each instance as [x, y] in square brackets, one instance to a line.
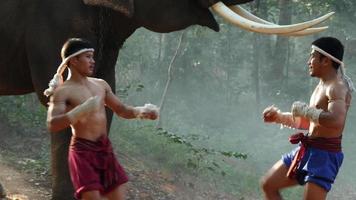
[233, 154]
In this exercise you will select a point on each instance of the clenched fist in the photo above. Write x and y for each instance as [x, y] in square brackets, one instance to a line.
[148, 111]
[271, 114]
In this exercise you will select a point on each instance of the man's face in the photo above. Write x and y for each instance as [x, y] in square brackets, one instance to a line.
[315, 64]
[84, 63]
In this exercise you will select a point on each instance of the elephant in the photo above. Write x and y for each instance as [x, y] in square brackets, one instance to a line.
[32, 34]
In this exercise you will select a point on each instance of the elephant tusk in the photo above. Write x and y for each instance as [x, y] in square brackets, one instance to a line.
[250, 25]
[244, 13]
[308, 31]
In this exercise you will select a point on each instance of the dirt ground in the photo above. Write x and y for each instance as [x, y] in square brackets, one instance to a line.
[20, 186]
[17, 184]
[21, 182]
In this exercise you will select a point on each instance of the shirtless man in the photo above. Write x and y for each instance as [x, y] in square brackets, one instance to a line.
[317, 159]
[80, 103]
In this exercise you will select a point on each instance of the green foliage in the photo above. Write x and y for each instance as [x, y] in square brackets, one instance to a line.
[168, 139]
[162, 150]
[196, 150]
[26, 145]
[124, 92]
[22, 111]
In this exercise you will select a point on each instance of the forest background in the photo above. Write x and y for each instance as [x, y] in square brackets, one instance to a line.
[211, 142]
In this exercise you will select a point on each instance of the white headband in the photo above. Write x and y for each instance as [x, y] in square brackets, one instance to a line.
[57, 78]
[342, 66]
[327, 55]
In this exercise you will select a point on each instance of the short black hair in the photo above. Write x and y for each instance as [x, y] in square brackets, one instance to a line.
[73, 45]
[332, 46]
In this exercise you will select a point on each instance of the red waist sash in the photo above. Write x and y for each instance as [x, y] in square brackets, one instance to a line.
[327, 144]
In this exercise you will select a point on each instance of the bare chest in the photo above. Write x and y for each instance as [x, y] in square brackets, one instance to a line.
[81, 93]
[319, 98]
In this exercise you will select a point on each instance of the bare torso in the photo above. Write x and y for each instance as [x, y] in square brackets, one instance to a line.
[322, 98]
[94, 126]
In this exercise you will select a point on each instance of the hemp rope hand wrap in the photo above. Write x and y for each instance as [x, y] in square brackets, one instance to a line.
[342, 67]
[57, 79]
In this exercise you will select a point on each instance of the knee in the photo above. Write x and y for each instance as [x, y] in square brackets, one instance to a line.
[265, 184]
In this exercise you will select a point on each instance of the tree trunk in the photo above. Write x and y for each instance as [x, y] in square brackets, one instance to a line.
[162, 47]
[280, 58]
[169, 80]
[256, 70]
[256, 9]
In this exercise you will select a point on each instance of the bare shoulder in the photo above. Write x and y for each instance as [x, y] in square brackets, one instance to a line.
[100, 82]
[338, 90]
[61, 94]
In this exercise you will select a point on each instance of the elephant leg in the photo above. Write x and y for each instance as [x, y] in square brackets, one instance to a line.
[44, 57]
[107, 73]
[62, 188]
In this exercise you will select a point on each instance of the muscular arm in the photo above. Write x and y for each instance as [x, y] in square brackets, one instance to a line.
[273, 114]
[114, 103]
[297, 122]
[335, 115]
[56, 116]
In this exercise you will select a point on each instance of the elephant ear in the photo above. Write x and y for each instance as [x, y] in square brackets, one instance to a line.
[123, 6]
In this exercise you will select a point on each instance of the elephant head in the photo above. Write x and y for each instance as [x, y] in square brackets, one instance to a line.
[171, 15]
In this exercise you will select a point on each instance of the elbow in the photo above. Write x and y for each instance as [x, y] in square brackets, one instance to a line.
[51, 127]
[334, 123]
[338, 123]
